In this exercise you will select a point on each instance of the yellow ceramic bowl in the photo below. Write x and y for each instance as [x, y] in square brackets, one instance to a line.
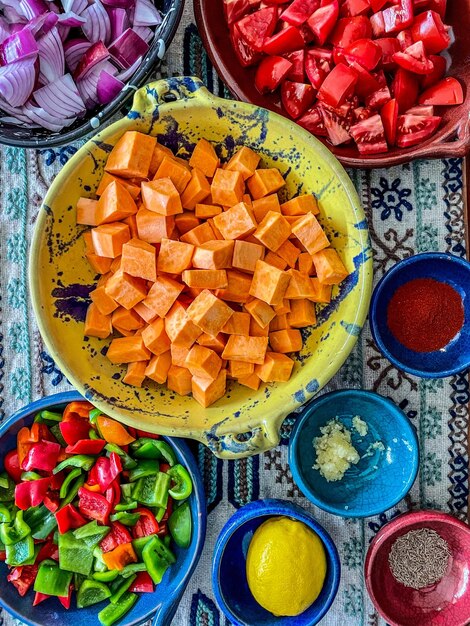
[179, 111]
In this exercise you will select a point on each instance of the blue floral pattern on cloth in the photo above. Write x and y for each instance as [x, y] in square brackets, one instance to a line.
[391, 199]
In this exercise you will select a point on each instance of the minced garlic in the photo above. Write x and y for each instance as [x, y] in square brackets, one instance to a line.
[360, 425]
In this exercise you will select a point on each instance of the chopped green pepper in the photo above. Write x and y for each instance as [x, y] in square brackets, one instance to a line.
[41, 521]
[160, 514]
[21, 552]
[55, 430]
[92, 434]
[67, 480]
[128, 519]
[146, 467]
[52, 580]
[139, 543]
[74, 554]
[183, 486]
[12, 533]
[7, 488]
[152, 490]
[91, 533]
[77, 580]
[48, 416]
[85, 461]
[132, 568]
[126, 506]
[121, 590]
[4, 481]
[91, 592]
[167, 540]
[126, 491]
[5, 514]
[146, 448]
[93, 414]
[30, 476]
[98, 564]
[180, 525]
[73, 490]
[158, 558]
[113, 612]
[126, 460]
[106, 577]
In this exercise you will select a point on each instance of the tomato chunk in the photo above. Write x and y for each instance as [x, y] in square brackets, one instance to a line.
[316, 69]
[323, 20]
[438, 70]
[429, 29]
[336, 125]
[270, 73]
[389, 115]
[398, 17]
[388, 46]
[366, 52]
[414, 59]
[285, 40]
[299, 11]
[447, 91]
[405, 87]
[414, 129]
[351, 8]
[296, 97]
[258, 26]
[338, 85]
[297, 71]
[245, 53]
[313, 122]
[369, 135]
[350, 29]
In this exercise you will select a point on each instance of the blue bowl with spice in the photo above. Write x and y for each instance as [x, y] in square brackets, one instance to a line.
[420, 312]
[161, 605]
[365, 438]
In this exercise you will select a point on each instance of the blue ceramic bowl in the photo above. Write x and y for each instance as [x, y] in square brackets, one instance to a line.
[455, 357]
[160, 605]
[229, 566]
[379, 480]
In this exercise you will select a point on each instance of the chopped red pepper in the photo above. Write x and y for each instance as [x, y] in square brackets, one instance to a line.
[40, 597]
[56, 481]
[86, 446]
[94, 505]
[119, 534]
[66, 600]
[113, 493]
[23, 577]
[52, 501]
[41, 431]
[12, 466]
[142, 433]
[68, 518]
[48, 551]
[104, 471]
[164, 467]
[42, 455]
[169, 509]
[142, 584]
[78, 408]
[75, 429]
[3, 555]
[31, 493]
[146, 524]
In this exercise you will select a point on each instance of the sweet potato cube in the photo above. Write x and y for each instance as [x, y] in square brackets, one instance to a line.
[132, 223]
[147, 314]
[309, 232]
[203, 362]
[103, 302]
[88, 242]
[209, 313]
[289, 253]
[244, 161]
[252, 381]
[262, 206]
[135, 374]
[108, 239]
[115, 204]
[108, 178]
[293, 219]
[174, 256]
[115, 265]
[215, 230]
[322, 292]
[236, 222]
[302, 314]
[279, 323]
[300, 205]
[276, 368]
[329, 267]
[196, 190]
[237, 289]
[261, 311]
[273, 231]
[161, 196]
[204, 211]
[87, 212]
[179, 380]
[269, 283]
[207, 391]
[100, 264]
[178, 355]
[152, 227]
[256, 330]
[139, 259]
[186, 221]
[264, 182]
[274, 259]
[246, 254]
[155, 337]
[284, 307]
[158, 366]
[97, 324]
[131, 156]
[176, 171]
[126, 319]
[227, 187]
[204, 158]
[162, 295]
[127, 350]
[216, 343]
[125, 289]
[159, 153]
[238, 324]
[238, 369]
[300, 286]
[205, 279]
[246, 198]
[245, 349]
[305, 263]
[180, 328]
[287, 340]
[214, 255]
[199, 235]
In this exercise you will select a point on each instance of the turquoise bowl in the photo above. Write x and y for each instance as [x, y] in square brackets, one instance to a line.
[379, 480]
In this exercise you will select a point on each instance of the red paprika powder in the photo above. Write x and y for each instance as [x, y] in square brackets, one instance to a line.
[425, 314]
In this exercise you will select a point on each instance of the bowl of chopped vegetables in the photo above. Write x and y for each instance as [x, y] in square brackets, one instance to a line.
[380, 83]
[98, 523]
[67, 67]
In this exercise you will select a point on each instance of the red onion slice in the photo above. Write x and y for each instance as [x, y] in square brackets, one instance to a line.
[127, 48]
[119, 21]
[51, 57]
[17, 81]
[88, 85]
[130, 71]
[95, 54]
[108, 87]
[77, 6]
[74, 50]
[32, 8]
[71, 19]
[60, 98]
[146, 14]
[4, 29]
[21, 45]
[97, 26]
[45, 119]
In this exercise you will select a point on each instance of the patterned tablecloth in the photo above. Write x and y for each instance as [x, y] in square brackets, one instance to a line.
[411, 208]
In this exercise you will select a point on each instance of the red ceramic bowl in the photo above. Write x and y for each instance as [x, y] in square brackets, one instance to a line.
[447, 603]
[451, 140]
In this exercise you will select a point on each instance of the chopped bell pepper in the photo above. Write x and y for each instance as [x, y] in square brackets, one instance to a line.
[30, 476]
[77, 408]
[114, 612]
[94, 505]
[49, 550]
[41, 432]
[105, 470]
[80, 460]
[126, 518]
[12, 465]
[183, 485]
[113, 431]
[47, 416]
[68, 517]
[157, 558]
[52, 501]
[139, 543]
[146, 467]
[51, 579]
[73, 490]
[30, 494]
[14, 532]
[152, 490]
[132, 568]
[41, 521]
[147, 524]
[68, 479]
[118, 535]
[180, 525]
[21, 552]
[74, 554]
[146, 448]
[106, 577]
[55, 430]
[121, 590]
[67, 600]
[42, 455]
[7, 488]
[23, 443]
[127, 506]
[126, 460]
[91, 592]
[40, 597]
[74, 430]
[120, 556]
[6, 514]
[113, 493]
[22, 577]
[86, 446]
[91, 533]
[142, 583]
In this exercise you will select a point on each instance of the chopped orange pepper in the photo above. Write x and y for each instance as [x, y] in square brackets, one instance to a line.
[120, 556]
[113, 431]
[23, 444]
[92, 487]
[80, 408]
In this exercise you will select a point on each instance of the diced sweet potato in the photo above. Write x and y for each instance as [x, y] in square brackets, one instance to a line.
[127, 350]
[88, 242]
[329, 267]
[262, 206]
[227, 187]
[269, 283]
[176, 171]
[125, 289]
[252, 381]
[302, 314]
[215, 230]
[236, 222]
[162, 295]
[279, 323]
[131, 221]
[131, 156]
[207, 391]
[153, 227]
[108, 239]
[126, 319]
[199, 235]
[261, 311]
[300, 286]
[87, 212]
[246, 198]
[180, 328]
[288, 340]
[178, 355]
[134, 190]
[274, 259]
[161, 196]
[139, 259]
[238, 324]
[300, 205]
[97, 324]
[204, 211]
[216, 343]
[244, 161]
[103, 302]
[309, 232]
[158, 366]
[238, 369]
[179, 380]
[159, 153]
[289, 253]
[196, 190]
[155, 337]
[238, 287]
[205, 279]
[209, 313]
[135, 374]
[264, 182]
[245, 349]
[305, 263]
[203, 362]
[115, 265]
[174, 256]
[282, 308]
[322, 292]
[100, 264]
[186, 221]
[204, 158]
[256, 330]
[115, 204]
[245, 255]
[214, 255]
[276, 368]
[273, 231]
[147, 314]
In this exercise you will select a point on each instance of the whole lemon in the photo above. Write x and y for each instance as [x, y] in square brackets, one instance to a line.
[285, 566]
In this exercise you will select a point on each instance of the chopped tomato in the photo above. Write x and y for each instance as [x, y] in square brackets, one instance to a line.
[313, 122]
[389, 115]
[322, 54]
[297, 71]
[438, 70]
[405, 88]
[428, 28]
[414, 59]
[350, 29]
[388, 45]
[336, 126]
[414, 129]
[299, 11]
[366, 82]
[351, 8]
[362, 113]
[316, 69]
[338, 85]
[369, 135]
[366, 52]
[236, 9]
[245, 53]
[439, 6]
[270, 73]
[377, 24]
[377, 99]
[286, 40]
[398, 17]
[447, 91]
[296, 97]
[423, 109]
[323, 20]
[405, 39]
[376, 5]
[258, 26]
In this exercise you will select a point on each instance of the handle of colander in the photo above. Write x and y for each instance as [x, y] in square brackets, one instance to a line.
[149, 98]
